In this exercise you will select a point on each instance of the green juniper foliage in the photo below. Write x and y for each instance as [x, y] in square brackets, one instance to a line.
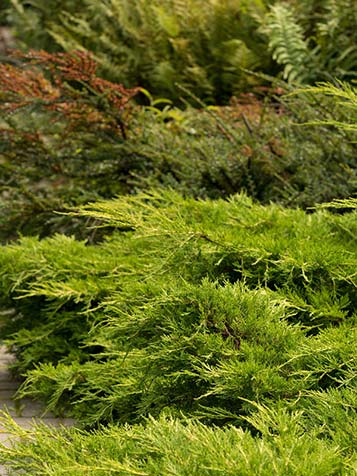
[168, 446]
[343, 93]
[193, 305]
[228, 312]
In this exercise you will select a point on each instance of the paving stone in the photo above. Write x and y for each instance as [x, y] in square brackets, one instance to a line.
[24, 408]
[6, 385]
[5, 439]
[6, 374]
[21, 408]
[25, 412]
[6, 360]
[28, 422]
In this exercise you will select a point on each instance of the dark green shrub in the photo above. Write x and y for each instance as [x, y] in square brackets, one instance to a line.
[55, 154]
[257, 149]
[58, 120]
[5, 5]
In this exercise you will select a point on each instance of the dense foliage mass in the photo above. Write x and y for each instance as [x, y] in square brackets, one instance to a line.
[170, 447]
[69, 137]
[55, 115]
[224, 311]
[202, 44]
[207, 326]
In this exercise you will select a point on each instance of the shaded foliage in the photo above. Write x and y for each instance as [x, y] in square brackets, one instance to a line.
[52, 107]
[203, 45]
[63, 144]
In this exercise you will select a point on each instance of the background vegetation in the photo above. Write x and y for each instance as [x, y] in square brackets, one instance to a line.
[203, 45]
[70, 137]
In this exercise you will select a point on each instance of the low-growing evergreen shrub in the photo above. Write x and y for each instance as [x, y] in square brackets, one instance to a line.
[346, 96]
[258, 149]
[228, 312]
[168, 446]
[193, 306]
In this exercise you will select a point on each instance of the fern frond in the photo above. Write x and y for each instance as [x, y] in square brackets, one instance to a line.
[286, 42]
[152, 43]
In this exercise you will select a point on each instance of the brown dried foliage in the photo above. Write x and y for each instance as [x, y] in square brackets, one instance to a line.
[65, 84]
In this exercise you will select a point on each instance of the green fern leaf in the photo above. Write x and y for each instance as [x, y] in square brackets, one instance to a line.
[286, 42]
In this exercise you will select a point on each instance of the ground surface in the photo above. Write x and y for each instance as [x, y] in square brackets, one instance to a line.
[25, 412]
